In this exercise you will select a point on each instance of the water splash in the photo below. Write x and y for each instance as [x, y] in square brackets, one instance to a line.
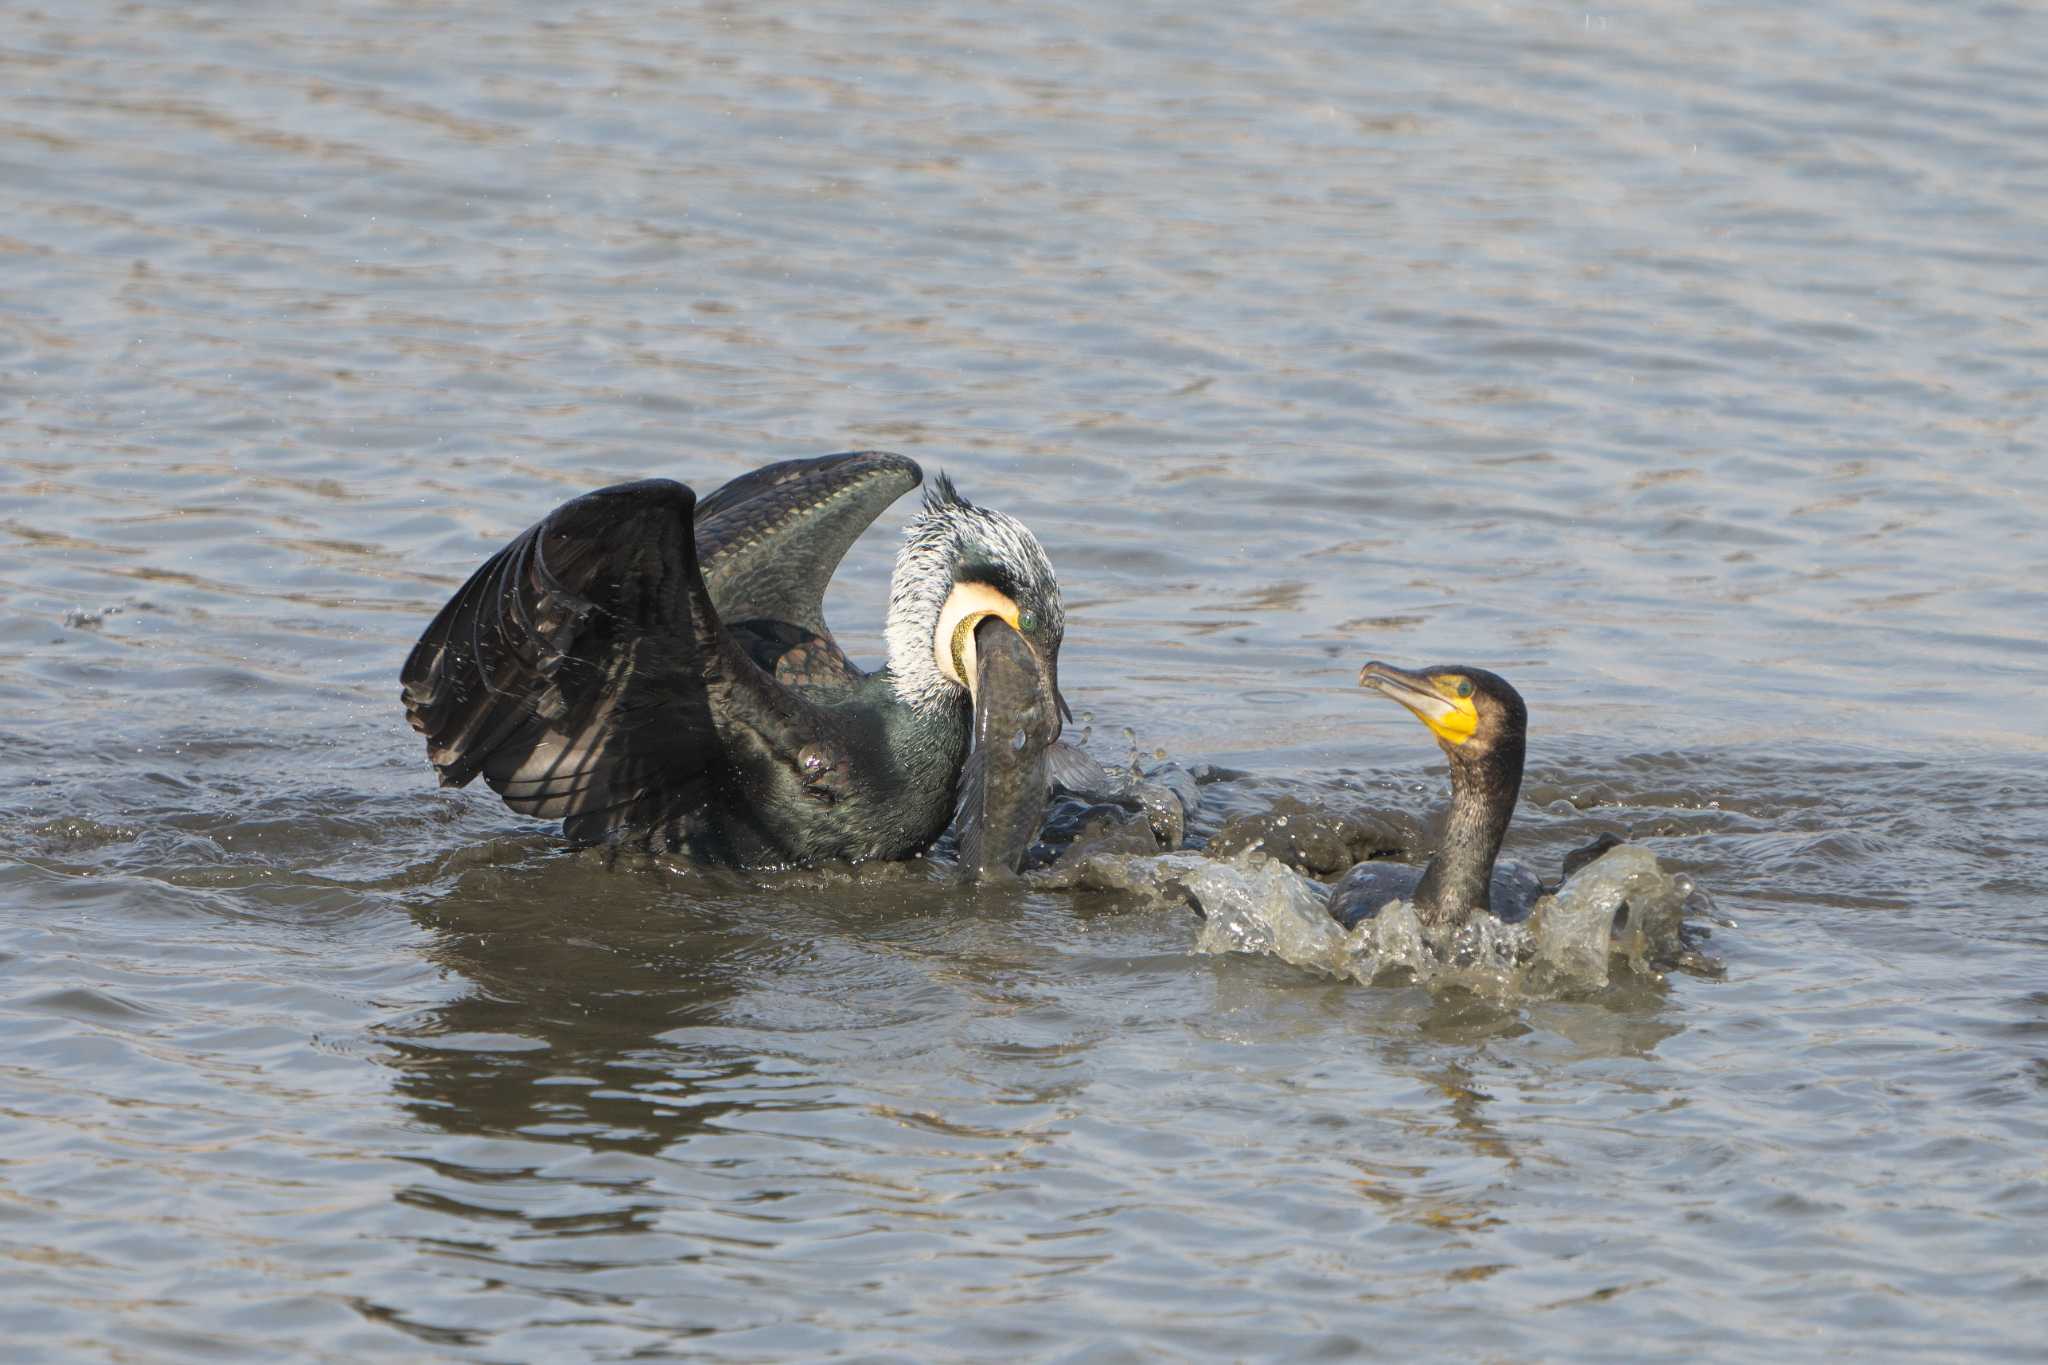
[1621, 914]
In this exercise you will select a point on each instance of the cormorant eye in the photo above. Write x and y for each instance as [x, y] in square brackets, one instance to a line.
[1027, 620]
[1464, 687]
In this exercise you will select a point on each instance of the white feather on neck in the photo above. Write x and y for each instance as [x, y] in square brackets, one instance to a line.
[917, 594]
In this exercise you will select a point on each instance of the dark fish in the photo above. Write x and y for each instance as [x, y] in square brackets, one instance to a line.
[1007, 779]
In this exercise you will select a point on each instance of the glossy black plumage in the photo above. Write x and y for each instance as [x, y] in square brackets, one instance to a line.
[645, 666]
[571, 670]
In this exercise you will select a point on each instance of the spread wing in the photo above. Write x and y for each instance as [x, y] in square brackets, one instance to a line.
[771, 540]
[574, 670]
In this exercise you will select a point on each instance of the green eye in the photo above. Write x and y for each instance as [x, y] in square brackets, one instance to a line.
[1464, 687]
[1027, 620]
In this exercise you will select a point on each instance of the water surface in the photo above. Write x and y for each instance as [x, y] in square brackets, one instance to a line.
[1685, 366]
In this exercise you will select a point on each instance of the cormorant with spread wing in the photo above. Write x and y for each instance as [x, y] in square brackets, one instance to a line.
[646, 666]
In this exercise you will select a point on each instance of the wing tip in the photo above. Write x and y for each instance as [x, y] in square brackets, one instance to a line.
[882, 462]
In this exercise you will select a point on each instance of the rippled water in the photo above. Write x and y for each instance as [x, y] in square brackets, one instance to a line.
[1685, 365]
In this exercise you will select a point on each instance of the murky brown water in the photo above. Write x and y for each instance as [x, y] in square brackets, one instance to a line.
[1684, 365]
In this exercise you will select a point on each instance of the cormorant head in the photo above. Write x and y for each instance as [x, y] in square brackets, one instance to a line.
[961, 564]
[1476, 717]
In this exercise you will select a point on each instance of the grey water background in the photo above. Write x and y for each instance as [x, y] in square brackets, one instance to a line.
[1683, 363]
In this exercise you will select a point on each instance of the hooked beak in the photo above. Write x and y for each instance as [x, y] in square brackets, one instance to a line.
[1452, 721]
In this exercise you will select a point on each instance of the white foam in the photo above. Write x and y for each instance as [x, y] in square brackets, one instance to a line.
[1570, 942]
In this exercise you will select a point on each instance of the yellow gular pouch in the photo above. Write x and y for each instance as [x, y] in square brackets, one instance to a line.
[1450, 715]
[967, 605]
[1442, 701]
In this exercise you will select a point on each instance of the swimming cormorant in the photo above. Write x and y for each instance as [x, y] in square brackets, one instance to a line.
[1482, 726]
[646, 666]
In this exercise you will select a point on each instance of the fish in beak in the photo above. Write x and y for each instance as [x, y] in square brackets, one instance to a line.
[1005, 784]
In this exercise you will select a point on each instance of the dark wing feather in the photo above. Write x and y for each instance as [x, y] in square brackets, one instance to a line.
[771, 540]
[571, 669]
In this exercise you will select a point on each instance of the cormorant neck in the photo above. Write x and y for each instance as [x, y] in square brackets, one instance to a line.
[949, 713]
[917, 594]
[930, 742]
[1457, 881]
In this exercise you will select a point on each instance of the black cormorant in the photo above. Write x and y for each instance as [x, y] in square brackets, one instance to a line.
[1482, 726]
[648, 667]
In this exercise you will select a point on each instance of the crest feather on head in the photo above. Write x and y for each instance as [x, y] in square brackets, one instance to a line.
[942, 493]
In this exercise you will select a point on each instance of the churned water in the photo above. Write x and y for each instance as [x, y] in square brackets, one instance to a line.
[1683, 364]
